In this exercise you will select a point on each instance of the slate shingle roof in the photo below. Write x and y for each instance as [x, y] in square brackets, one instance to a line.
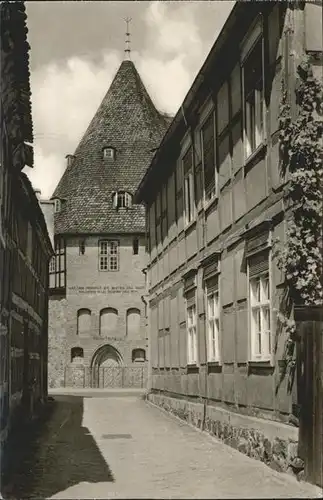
[128, 121]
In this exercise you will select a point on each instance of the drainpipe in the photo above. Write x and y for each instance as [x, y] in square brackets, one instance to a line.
[205, 335]
[143, 298]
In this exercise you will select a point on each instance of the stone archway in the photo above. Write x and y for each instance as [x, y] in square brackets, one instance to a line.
[106, 367]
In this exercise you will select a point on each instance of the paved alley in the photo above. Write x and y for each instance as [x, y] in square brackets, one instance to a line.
[109, 446]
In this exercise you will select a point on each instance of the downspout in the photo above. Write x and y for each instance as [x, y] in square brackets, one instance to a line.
[143, 298]
[149, 368]
[46, 334]
[205, 340]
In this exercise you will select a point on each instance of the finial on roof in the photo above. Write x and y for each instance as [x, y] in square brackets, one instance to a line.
[127, 49]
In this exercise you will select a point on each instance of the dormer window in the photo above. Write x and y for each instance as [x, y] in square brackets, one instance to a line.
[57, 205]
[122, 199]
[109, 153]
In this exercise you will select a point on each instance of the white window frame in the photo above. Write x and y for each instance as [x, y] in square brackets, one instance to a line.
[122, 199]
[191, 329]
[258, 130]
[213, 325]
[57, 205]
[259, 302]
[214, 193]
[109, 255]
[52, 265]
[108, 153]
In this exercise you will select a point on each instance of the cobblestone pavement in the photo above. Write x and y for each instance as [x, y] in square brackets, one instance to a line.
[122, 447]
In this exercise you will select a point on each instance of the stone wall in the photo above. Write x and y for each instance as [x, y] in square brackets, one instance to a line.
[57, 342]
[78, 375]
[274, 443]
[88, 288]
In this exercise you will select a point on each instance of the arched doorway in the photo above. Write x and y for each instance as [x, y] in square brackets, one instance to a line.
[106, 367]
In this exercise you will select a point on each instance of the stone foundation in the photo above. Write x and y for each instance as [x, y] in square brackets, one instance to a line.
[274, 443]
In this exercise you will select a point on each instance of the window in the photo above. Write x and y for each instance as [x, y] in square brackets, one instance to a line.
[83, 322]
[108, 321]
[57, 205]
[52, 265]
[213, 314]
[77, 355]
[122, 199]
[108, 255]
[138, 355]
[208, 156]
[260, 311]
[57, 267]
[82, 247]
[135, 246]
[253, 86]
[133, 321]
[109, 153]
[191, 335]
[189, 195]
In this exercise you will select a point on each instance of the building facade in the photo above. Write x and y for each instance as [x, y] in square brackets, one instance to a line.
[97, 311]
[25, 248]
[214, 197]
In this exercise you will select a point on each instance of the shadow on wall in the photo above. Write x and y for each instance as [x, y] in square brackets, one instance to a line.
[53, 454]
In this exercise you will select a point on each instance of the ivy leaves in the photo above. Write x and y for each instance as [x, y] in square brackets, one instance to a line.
[301, 148]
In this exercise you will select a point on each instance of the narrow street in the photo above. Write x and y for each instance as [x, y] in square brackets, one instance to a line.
[118, 446]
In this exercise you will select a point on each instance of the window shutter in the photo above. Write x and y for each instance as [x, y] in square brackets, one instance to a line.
[128, 200]
[208, 152]
[211, 269]
[190, 297]
[212, 284]
[257, 243]
[258, 263]
[115, 200]
[188, 160]
[189, 282]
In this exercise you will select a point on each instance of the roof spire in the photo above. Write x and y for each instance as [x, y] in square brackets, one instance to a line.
[127, 49]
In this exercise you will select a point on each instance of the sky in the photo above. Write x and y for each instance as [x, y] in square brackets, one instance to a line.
[76, 49]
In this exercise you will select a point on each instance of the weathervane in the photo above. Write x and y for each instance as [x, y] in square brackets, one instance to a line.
[127, 49]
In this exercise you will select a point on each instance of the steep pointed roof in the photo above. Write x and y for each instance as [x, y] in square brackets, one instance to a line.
[127, 121]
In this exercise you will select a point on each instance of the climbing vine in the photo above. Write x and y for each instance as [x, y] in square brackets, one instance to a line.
[301, 153]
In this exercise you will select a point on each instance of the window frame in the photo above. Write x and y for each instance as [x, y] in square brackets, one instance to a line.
[122, 196]
[111, 155]
[52, 266]
[192, 347]
[259, 305]
[255, 36]
[107, 255]
[135, 351]
[57, 269]
[213, 345]
[57, 205]
[189, 205]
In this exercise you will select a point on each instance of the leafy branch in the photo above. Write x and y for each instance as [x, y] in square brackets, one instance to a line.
[301, 152]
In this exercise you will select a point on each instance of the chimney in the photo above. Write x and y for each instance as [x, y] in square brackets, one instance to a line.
[70, 159]
[37, 193]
